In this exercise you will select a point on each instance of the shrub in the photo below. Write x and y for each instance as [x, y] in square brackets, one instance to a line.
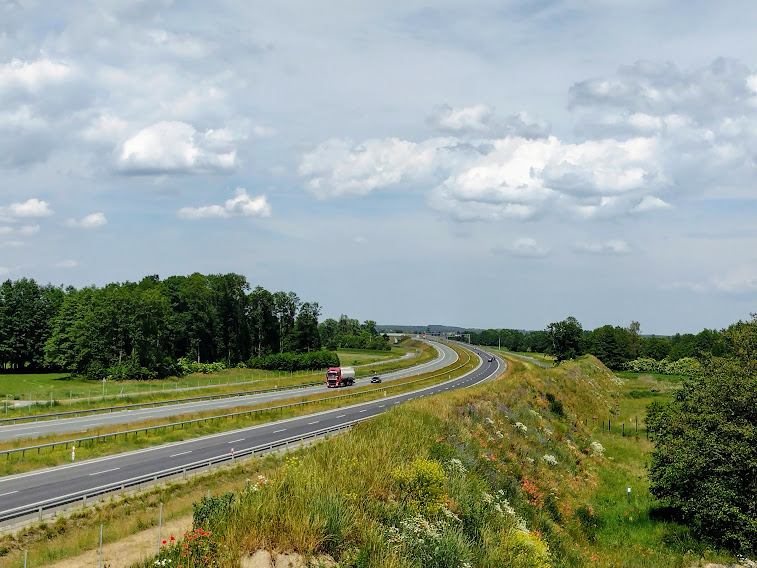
[421, 485]
[706, 446]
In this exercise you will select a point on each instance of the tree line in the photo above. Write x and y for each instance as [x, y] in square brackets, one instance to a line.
[615, 346]
[141, 329]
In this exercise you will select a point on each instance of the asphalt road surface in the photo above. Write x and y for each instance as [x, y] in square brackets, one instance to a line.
[25, 493]
[79, 424]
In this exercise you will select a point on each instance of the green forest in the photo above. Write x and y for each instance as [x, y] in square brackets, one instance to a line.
[157, 328]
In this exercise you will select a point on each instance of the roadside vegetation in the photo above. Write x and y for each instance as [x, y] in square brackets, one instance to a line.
[517, 472]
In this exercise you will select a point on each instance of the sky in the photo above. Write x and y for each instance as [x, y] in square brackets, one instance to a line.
[499, 164]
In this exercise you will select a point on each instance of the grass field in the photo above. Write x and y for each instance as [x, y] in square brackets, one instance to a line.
[365, 356]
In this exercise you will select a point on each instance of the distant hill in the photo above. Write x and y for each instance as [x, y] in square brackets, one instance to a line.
[424, 328]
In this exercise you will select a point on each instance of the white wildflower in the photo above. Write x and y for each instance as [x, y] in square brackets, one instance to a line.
[521, 427]
[550, 459]
[597, 449]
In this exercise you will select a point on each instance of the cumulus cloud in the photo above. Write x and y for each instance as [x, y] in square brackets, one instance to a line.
[241, 205]
[649, 203]
[338, 167]
[647, 137]
[613, 247]
[31, 208]
[172, 147]
[91, 221]
[32, 75]
[480, 121]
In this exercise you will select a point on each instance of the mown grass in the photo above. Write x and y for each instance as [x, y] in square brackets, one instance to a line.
[224, 382]
[49, 457]
[517, 476]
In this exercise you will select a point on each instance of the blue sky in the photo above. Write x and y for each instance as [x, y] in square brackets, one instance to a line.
[488, 164]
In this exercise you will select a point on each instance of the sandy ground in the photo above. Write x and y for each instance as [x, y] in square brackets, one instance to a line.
[127, 551]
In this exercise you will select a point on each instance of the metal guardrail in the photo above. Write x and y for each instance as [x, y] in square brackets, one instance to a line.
[38, 508]
[173, 425]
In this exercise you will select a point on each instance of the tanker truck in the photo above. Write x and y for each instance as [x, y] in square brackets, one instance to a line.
[340, 377]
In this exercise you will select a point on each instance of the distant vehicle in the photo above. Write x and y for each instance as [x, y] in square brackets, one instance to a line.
[491, 359]
[340, 377]
[376, 380]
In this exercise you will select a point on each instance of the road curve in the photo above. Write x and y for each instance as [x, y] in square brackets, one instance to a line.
[24, 494]
[446, 356]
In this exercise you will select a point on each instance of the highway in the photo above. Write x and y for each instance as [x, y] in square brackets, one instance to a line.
[24, 494]
[78, 424]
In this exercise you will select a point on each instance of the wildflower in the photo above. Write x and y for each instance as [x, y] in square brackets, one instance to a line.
[521, 427]
[597, 449]
[550, 459]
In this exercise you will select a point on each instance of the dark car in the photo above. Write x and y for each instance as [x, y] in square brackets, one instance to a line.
[376, 380]
[491, 359]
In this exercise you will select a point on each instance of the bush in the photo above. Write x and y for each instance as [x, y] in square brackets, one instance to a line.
[186, 367]
[421, 485]
[705, 451]
[295, 361]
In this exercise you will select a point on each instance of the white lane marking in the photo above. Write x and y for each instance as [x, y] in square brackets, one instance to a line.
[106, 471]
[9, 493]
[277, 431]
[239, 440]
[29, 433]
[180, 454]
[397, 402]
[340, 416]
[311, 423]
[382, 406]
[362, 411]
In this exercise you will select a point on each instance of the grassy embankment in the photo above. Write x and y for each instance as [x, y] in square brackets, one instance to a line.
[48, 457]
[71, 393]
[485, 476]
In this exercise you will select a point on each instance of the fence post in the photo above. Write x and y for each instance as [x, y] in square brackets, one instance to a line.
[160, 524]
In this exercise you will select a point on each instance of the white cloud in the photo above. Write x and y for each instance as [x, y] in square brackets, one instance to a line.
[652, 130]
[67, 264]
[32, 75]
[30, 208]
[480, 121]
[650, 203]
[91, 221]
[613, 247]
[525, 247]
[4, 270]
[338, 167]
[241, 205]
[172, 147]
[105, 128]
